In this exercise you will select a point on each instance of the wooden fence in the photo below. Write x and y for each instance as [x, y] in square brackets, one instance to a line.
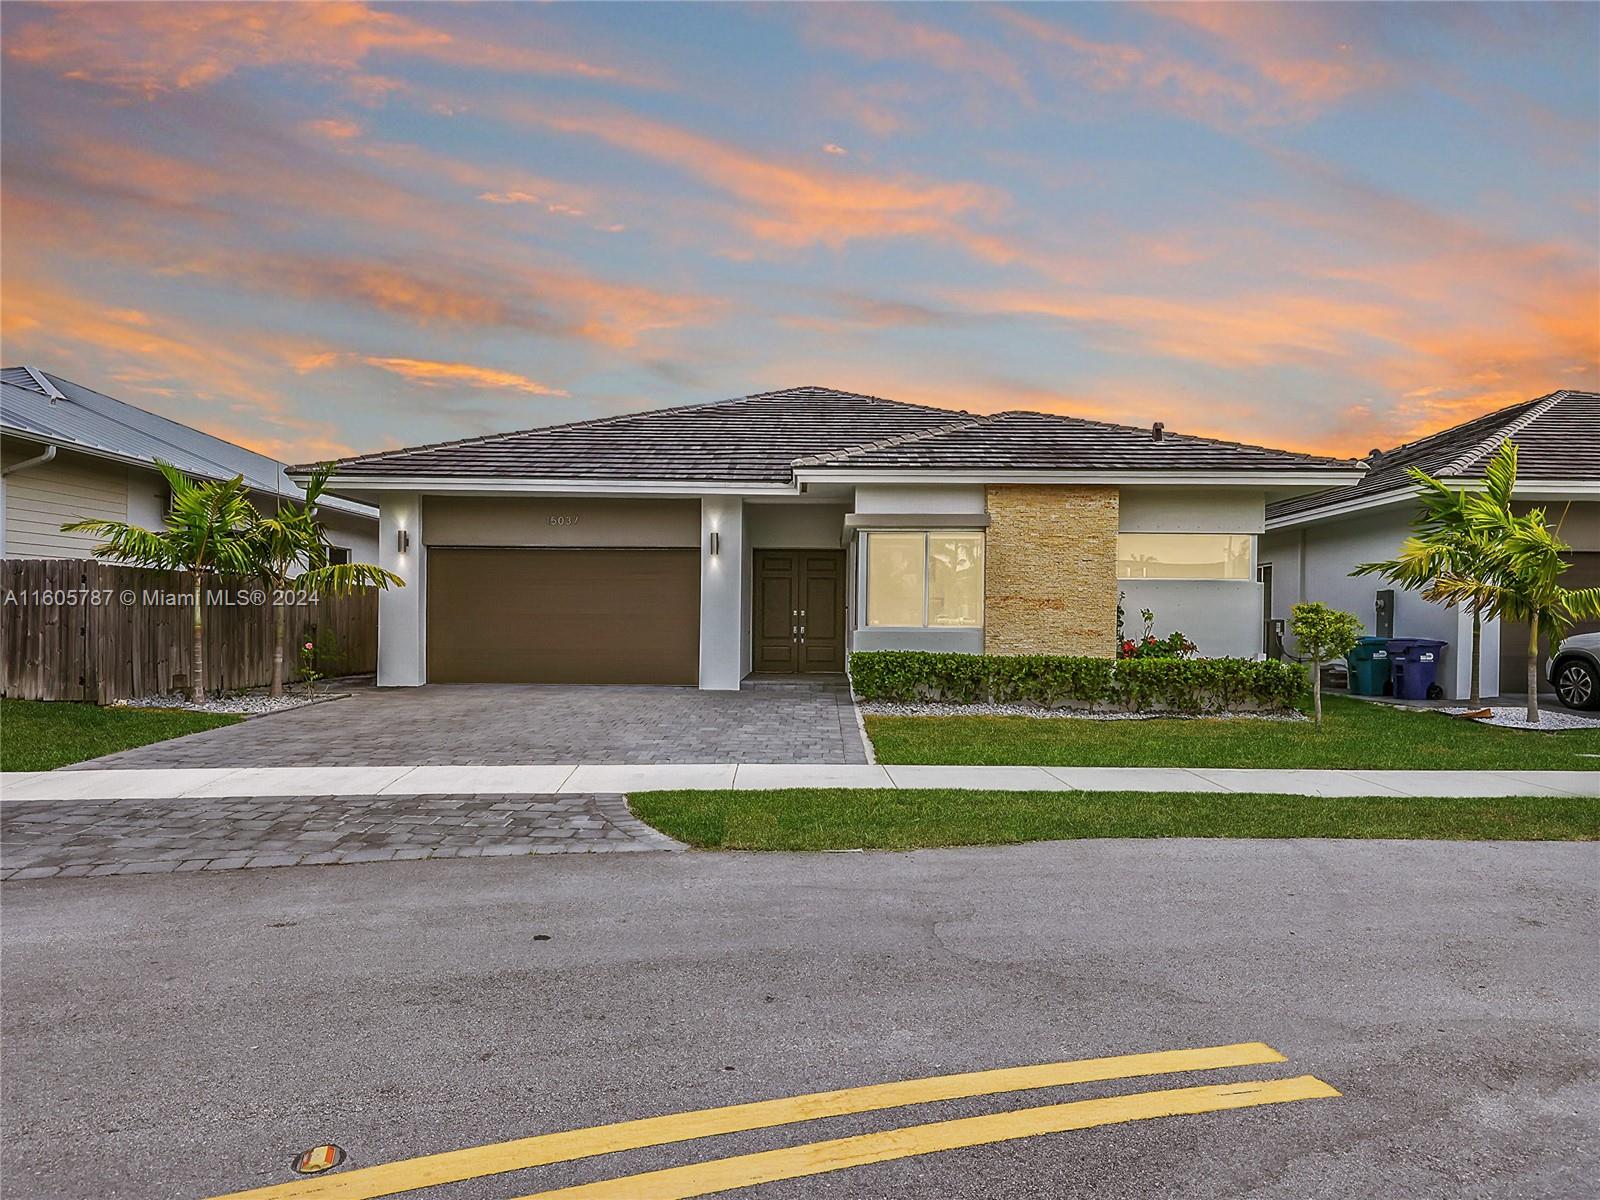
[79, 629]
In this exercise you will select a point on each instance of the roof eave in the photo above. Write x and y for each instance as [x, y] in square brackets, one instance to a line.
[1309, 480]
[545, 485]
[1339, 507]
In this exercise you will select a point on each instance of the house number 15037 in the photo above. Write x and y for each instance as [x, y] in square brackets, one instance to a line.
[562, 520]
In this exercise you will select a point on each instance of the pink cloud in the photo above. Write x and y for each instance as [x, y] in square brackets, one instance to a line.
[155, 48]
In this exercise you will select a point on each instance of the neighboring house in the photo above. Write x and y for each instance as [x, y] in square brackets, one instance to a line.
[1314, 542]
[777, 532]
[70, 453]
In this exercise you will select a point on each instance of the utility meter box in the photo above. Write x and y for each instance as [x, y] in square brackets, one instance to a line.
[1383, 616]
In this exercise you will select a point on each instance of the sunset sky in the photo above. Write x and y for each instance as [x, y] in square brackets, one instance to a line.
[318, 229]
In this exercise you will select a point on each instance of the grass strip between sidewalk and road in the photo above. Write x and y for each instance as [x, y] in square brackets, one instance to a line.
[1356, 735]
[41, 735]
[916, 818]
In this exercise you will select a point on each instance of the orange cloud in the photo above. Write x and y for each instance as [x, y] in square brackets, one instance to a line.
[442, 374]
[334, 129]
[155, 48]
[1117, 66]
[192, 374]
[877, 32]
[1234, 332]
[1313, 55]
[487, 280]
[789, 206]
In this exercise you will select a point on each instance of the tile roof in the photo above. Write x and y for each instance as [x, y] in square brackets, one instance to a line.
[1031, 441]
[763, 438]
[79, 418]
[1557, 437]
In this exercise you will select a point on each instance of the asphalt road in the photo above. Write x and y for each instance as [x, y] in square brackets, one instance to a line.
[184, 1036]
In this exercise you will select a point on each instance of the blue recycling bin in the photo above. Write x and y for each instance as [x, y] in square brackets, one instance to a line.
[1414, 666]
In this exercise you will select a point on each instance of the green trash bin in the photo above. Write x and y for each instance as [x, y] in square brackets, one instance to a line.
[1369, 667]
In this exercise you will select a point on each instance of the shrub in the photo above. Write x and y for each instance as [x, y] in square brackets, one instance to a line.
[1133, 684]
[1147, 644]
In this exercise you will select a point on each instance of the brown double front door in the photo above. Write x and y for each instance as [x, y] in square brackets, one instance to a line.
[799, 611]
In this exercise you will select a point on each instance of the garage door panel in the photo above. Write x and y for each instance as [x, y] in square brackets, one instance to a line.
[1583, 571]
[563, 616]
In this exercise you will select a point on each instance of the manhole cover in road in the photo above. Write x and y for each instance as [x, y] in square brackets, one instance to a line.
[318, 1159]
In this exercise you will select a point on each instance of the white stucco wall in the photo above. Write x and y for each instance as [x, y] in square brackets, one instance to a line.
[1191, 510]
[1312, 563]
[402, 630]
[723, 591]
[920, 498]
[1222, 617]
[355, 534]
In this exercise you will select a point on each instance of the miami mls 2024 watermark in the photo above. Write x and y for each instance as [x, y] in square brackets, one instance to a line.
[218, 597]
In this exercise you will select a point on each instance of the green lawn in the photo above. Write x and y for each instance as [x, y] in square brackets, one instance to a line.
[1354, 734]
[38, 735]
[908, 819]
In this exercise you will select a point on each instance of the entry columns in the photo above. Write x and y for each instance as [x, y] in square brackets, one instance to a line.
[722, 599]
[402, 641]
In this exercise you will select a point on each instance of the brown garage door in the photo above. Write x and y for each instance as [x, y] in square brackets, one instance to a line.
[563, 616]
[1584, 572]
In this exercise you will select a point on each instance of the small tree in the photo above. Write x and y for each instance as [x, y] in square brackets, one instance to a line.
[1323, 634]
[205, 532]
[290, 549]
[1448, 545]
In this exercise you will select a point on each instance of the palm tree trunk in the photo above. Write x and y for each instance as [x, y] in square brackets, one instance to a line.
[197, 657]
[1477, 657]
[278, 622]
[1533, 670]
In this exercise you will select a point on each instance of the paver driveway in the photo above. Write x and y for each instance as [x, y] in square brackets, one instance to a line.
[464, 724]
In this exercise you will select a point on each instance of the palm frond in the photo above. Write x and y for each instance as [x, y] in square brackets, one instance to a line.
[1500, 475]
[346, 577]
[127, 543]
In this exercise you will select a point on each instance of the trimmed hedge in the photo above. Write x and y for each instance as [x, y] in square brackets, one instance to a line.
[1129, 684]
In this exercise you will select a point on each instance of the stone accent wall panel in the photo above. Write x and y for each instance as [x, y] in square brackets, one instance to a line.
[1051, 570]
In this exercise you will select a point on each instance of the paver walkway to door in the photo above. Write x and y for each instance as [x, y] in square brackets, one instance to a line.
[781, 721]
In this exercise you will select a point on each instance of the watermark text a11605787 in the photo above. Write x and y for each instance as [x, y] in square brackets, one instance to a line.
[127, 597]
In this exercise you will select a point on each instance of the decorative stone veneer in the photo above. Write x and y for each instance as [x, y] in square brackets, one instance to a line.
[1050, 572]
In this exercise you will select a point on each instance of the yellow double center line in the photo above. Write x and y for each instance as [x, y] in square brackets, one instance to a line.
[744, 1170]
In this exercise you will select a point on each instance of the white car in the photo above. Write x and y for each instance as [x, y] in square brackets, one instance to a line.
[1575, 671]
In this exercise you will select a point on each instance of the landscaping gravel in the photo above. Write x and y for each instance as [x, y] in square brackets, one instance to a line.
[246, 703]
[1550, 720]
[880, 708]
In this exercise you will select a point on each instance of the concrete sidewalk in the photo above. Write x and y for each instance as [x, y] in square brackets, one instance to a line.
[174, 783]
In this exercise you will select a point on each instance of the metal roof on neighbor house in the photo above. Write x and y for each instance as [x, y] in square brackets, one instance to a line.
[77, 418]
[762, 439]
[1557, 437]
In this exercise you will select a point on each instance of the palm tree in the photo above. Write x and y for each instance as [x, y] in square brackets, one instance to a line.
[1447, 545]
[205, 532]
[1525, 582]
[293, 540]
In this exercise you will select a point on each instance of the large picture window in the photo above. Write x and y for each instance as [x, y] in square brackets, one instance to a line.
[924, 580]
[1185, 556]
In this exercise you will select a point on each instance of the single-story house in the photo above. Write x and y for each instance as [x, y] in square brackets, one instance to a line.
[1313, 542]
[777, 532]
[68, 453]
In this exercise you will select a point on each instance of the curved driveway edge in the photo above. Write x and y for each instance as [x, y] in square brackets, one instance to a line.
[171, 835]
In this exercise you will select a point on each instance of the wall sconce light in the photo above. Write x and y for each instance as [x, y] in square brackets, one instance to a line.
[403, 541]
[716, 543]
